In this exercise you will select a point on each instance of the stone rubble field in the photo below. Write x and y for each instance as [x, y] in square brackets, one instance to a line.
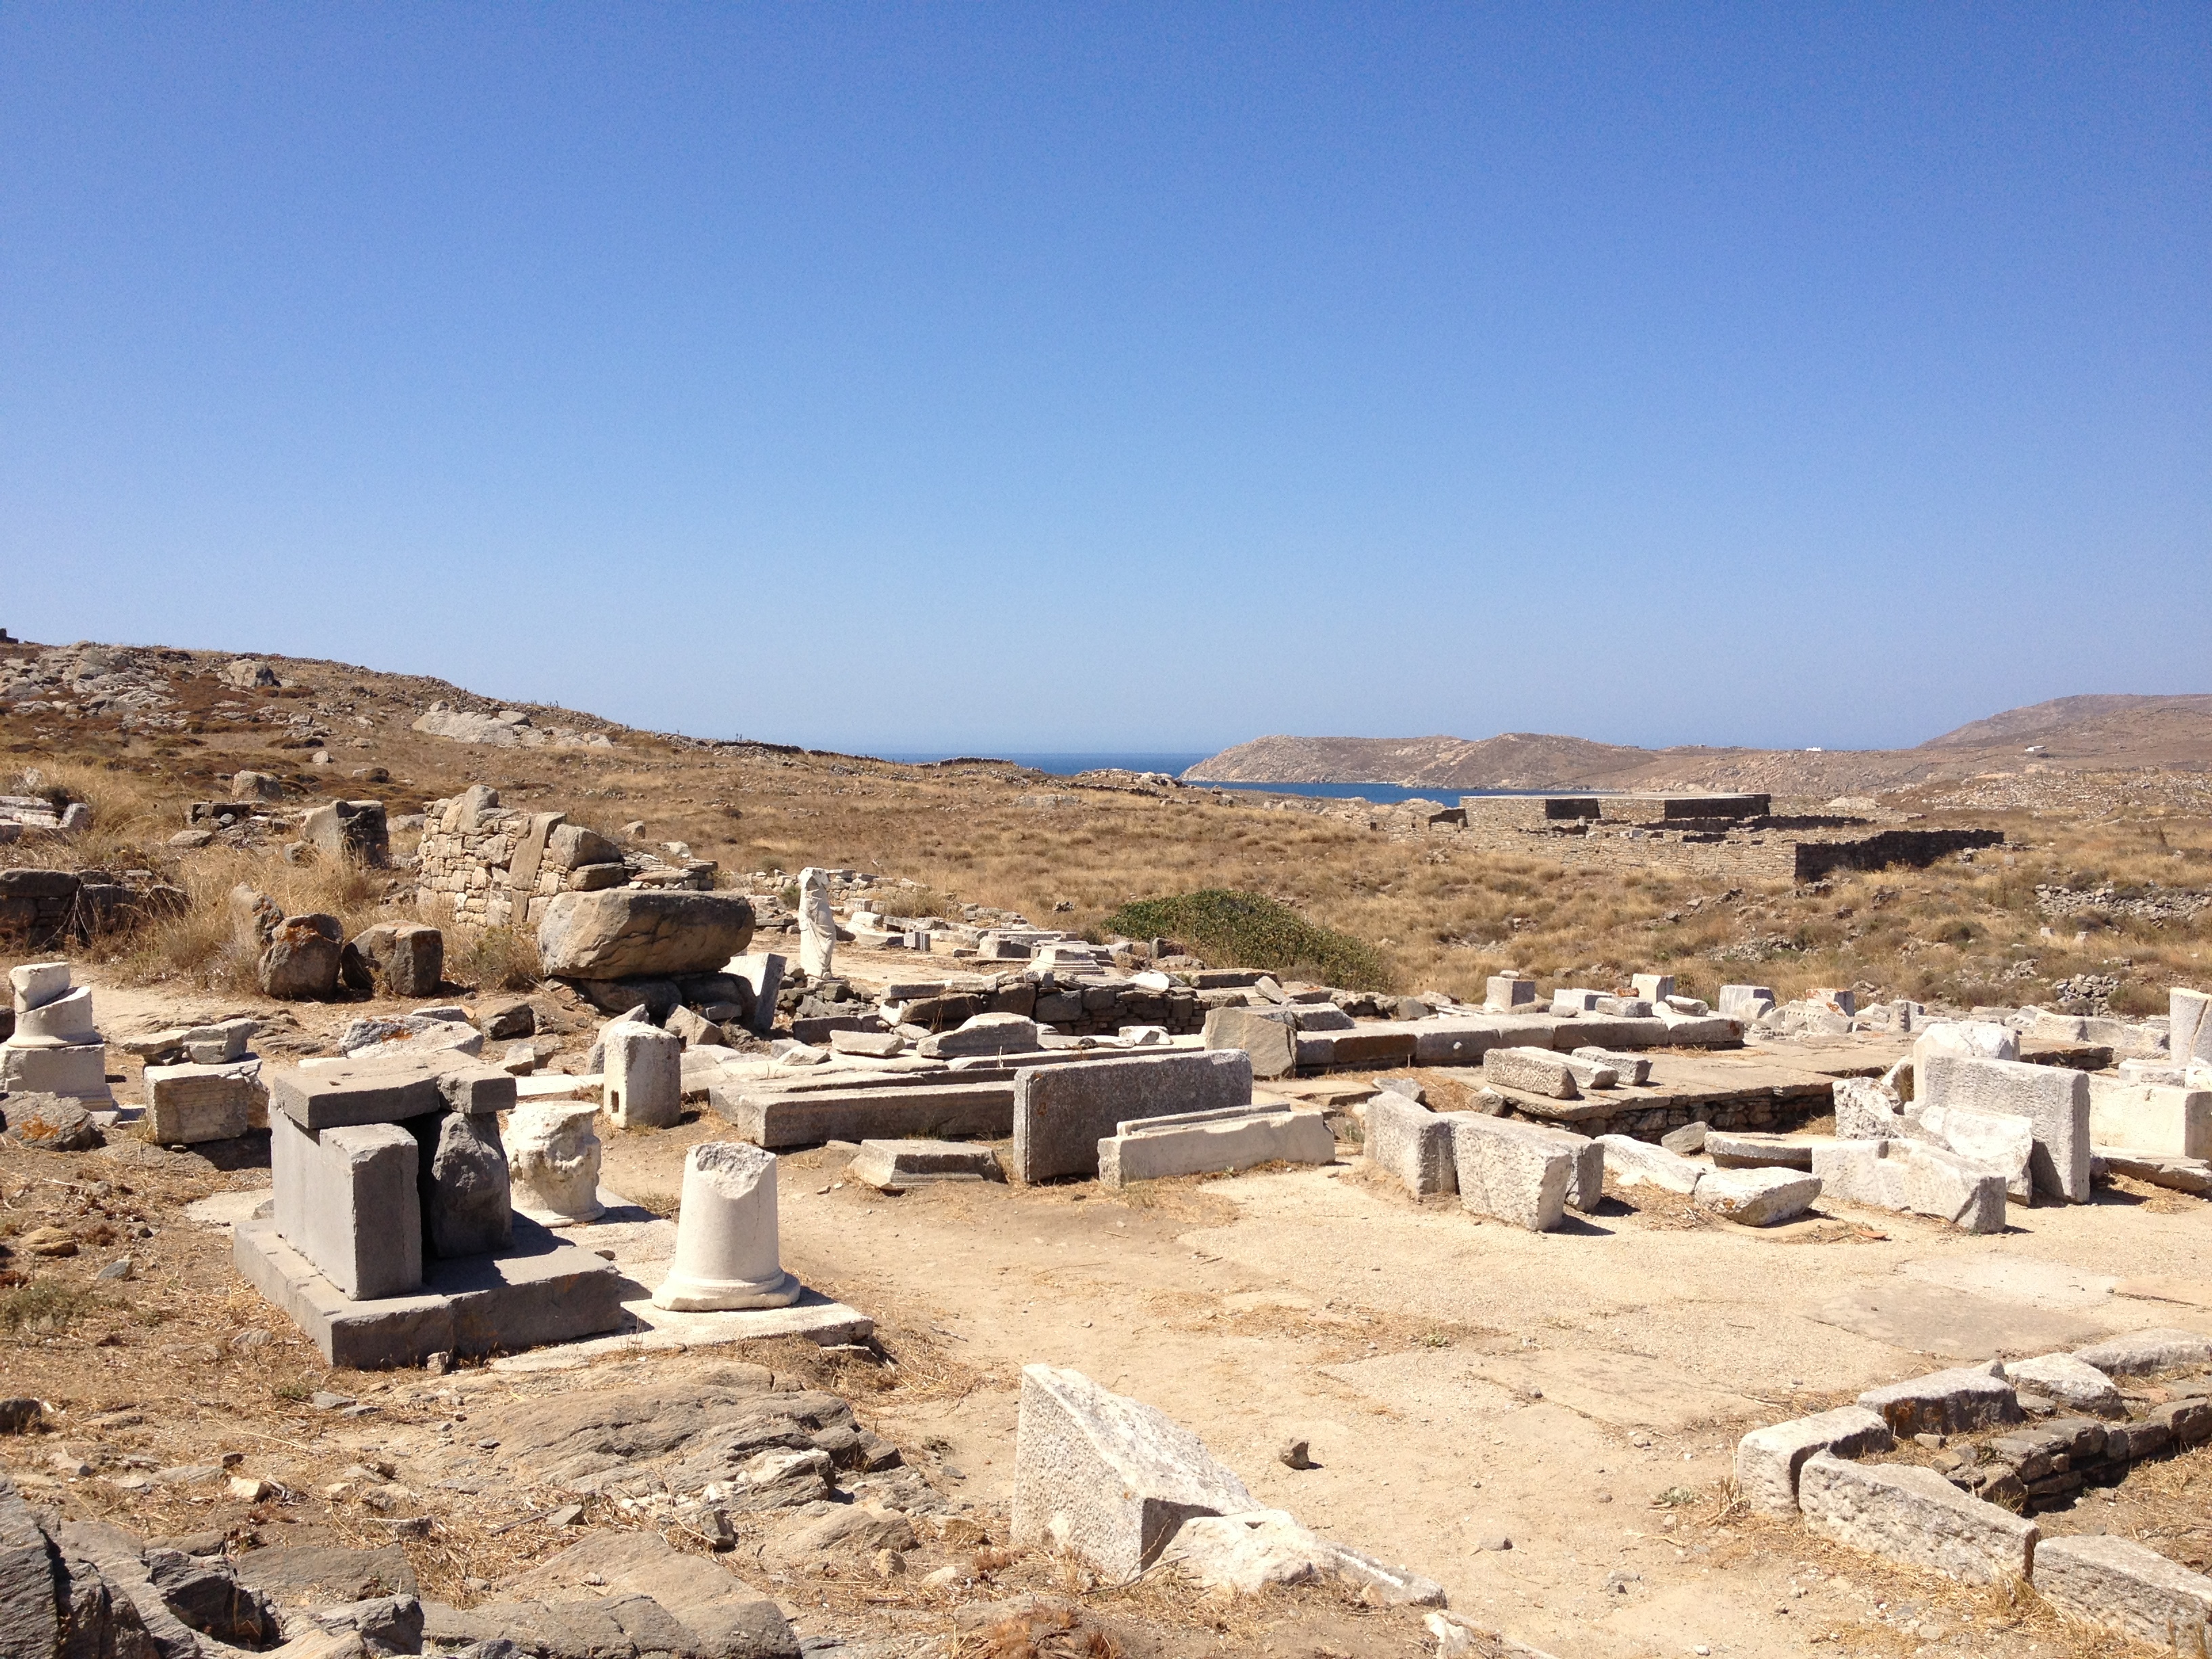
[808, 1263]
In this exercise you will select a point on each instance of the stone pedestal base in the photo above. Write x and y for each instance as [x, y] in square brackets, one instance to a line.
[537, 1290]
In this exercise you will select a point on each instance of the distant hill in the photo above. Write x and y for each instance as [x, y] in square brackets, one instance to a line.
[2073, 733]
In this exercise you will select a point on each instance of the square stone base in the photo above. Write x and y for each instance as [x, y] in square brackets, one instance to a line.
[537, 1290]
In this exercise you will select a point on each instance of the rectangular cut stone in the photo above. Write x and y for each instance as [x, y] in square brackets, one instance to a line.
[346, 1199]
[2141, 1353]
[1739, 1001]
[2189, 1026]
[1913, 1515]
[1757, 1198]
[2183, 1175]
[188, 1104]
[776, 1119]
[1742, 1150]
[1513, 1171]
[1532, 1072]
[478, 1091]
[892, 1166]
[1623, 1007]
[76, 1071]
[1412, 1142]
[1506, 991]
[1106, 1478]
[1061, 1113]
[1590, 1073]
[356, 1091]
[1914, 1178]
[1681, 1031]
[762, 972]
[1268, 1036]
[2055, 1099]
[2125, 1586]
[1373, 1047]
[1632, 1160]
[1464, 1039]
[1999, 1142]
[2145, 1118]
[1652, 987]
[644, 1076]
[1570, 999]
[1866, 1110]
[1597, 1030]
[1946, 1402]
[1632, 1069]
[1586, 1182]
[1158, 1148]
[1767, 1459]
[1320, 1016]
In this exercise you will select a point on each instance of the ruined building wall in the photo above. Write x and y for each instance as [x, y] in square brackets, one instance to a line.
[498, 867]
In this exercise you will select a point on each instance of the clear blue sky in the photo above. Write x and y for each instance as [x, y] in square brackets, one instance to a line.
[1034, 377]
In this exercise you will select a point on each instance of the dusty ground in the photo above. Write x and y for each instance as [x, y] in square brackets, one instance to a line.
[1577, 1395]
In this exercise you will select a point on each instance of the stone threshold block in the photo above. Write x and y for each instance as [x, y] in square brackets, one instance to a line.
[537, 1290]
[975, 1111]
[1464, 1039]
[1204, 1143]
[1767, 1459]
[893, 1166]
[187, 1105]
[1513, 1171]
[2121, 1585]
[1913, 1515]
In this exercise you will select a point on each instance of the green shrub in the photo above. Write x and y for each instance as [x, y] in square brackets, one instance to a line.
[1244, 930]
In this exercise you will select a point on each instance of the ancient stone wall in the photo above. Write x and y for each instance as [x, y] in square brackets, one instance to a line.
[495, 866]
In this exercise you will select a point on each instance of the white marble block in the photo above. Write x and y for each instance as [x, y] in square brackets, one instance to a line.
[553, 1159]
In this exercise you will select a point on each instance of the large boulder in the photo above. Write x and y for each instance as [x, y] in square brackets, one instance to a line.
[301, 962]
[620, 933]
[342, 829]
[407, 959]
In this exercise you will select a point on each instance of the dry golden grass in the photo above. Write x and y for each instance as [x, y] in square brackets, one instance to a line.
[1441, 914]
[197, 947]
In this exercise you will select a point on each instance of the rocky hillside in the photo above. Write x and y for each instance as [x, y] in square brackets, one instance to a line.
[2073, 733]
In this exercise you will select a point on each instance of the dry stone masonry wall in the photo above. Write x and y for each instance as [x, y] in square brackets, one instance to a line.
[495, 866]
